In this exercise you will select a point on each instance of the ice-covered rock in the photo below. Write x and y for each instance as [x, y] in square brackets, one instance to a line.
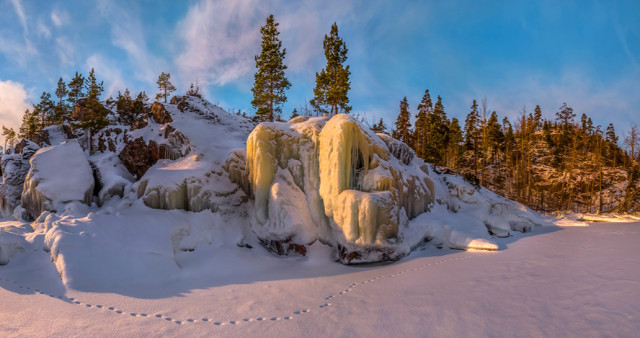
[59, 174]
[355, 193]
[14, 170]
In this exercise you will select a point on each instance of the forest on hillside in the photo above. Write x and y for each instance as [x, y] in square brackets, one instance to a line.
[546, 164]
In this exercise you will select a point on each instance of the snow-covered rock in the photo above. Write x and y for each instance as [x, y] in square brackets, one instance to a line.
[12, 240]
[59, 174]
[198, 178]
[112, 178]
[14, 170]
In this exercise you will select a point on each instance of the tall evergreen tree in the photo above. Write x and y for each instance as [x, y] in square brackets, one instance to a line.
[421, 132]
[495, 135]
[76, 86]
[537, 118]
[46, 108]
[471, 133]
[437, 129]
[332, 83]
[403, 123]
[62, 109]
[270, 81]
[95, 114]
[455, 144]
[29, 125]
[165, 87]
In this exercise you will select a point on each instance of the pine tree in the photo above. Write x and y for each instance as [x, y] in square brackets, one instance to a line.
[294, 113]
[270, 81]
[124, 107]
[403, 123]
[537, 118]
[332, 83]
[471, 133]
[75, 89]
[438, 126]
[380, 127]
[455, 144]
[46, 109]
[95, 114]
[612, 143]
[62, 109]
[421, 133]
[165, 86]
[495, 135]
[29, 125]
[565, 116]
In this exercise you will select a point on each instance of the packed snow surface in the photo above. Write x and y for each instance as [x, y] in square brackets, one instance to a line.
[558, 281]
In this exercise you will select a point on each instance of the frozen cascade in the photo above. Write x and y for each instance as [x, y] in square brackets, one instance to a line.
[356, 194]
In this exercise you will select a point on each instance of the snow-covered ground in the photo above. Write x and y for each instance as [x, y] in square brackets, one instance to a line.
[556, 281]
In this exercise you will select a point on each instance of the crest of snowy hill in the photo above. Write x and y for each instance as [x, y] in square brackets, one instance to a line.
[156, 200]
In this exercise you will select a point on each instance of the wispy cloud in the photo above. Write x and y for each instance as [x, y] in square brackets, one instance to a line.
[43, 30]
[14, 100]
[220, 39]
[59, 18]
[17, 6]
[127, 33]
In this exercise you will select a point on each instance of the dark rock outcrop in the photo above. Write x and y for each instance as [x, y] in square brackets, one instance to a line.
[160, 113]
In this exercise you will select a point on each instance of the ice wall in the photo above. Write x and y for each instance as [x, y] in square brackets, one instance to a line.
[355, 192]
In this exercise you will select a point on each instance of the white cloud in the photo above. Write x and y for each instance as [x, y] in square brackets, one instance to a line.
[221, 37]
[220, 40]
[14, 100]
[59, 18]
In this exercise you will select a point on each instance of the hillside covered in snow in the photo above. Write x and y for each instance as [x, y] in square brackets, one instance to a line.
[148, 202]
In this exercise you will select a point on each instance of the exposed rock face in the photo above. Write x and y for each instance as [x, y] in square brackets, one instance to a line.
[138, 156]
[160, 113]
[58, 175]
[342, 185]
[14, 170]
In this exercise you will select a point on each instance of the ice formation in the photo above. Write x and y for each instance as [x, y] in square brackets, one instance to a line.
[59, 174]
[355, 193]
[14, 170]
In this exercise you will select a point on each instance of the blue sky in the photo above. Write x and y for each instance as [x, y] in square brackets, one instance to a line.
[514, 53]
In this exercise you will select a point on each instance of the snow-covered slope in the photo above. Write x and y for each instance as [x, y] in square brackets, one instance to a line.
[202, 179]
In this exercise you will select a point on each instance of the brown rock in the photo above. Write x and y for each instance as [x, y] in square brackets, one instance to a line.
[160, 113]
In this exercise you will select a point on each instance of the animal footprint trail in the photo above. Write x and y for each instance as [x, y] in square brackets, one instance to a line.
[237, 322]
